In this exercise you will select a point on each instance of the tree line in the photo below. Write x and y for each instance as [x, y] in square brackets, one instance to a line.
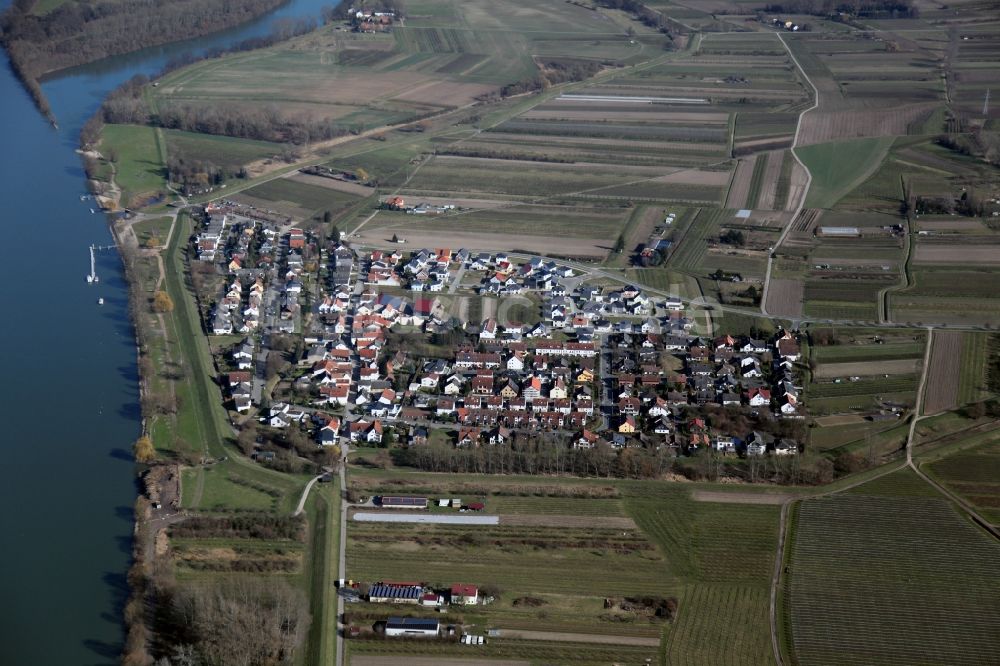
[549, 455]
[648, 17]
[75, 33]
[862, 8]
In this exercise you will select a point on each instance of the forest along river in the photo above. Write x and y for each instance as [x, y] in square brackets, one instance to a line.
[69, 386]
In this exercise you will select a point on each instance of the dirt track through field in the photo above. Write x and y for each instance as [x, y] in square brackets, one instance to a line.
[737, 197]
[738, 498]
[564, 637]
[770, 185]
[600, 522]
[944, 372]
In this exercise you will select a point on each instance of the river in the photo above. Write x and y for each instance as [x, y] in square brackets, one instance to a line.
[69, 388]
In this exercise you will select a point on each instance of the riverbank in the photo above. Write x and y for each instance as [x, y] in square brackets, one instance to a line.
[73, 36]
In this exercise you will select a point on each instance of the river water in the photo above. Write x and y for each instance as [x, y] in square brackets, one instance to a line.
[69, 385]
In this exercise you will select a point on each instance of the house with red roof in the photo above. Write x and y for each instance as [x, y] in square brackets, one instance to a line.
[465, 595]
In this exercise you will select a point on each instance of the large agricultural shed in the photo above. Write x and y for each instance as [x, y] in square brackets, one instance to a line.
[395, 594]
[388, 502]
[839, 232]
[411, 626]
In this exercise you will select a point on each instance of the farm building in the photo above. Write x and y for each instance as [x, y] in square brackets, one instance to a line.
[412, 626]
[391, 502]
[839, 232]
[395, 594]
[467, 595]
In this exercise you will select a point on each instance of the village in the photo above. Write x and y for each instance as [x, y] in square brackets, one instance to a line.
[593, 364]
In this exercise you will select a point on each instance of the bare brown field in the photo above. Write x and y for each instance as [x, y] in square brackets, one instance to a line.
[644, 227]
[797, 188]
[444, 93]
[866, 264]
[333, 184]
[768, 218]
[822, 126]
[651, 172]
[950, 224]
[925, 159]
[770, 185]
[738, 191]
[944, 372]
[738, 498]
[902, 366]
[561, 246]
[608, 522]
[784, 297]
[958, 254]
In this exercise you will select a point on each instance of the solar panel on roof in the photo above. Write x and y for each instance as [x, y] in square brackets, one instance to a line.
[411, 623]
[394, 592]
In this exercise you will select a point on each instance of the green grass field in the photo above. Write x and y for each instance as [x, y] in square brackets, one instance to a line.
[892, 384]
[757, 179]
[223, 151]
[201, 427]
[855, 436]
[138, 164]
[875, 577]
[518, 651]
[45, 6]
[974, 474]
[154, 230]
[972, 381]
[304, 199]
[724, 552]
[848, 353]
[840, 166]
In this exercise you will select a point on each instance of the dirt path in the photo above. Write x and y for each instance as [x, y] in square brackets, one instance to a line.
[799, 192]
[305, 495]
[564, 637]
